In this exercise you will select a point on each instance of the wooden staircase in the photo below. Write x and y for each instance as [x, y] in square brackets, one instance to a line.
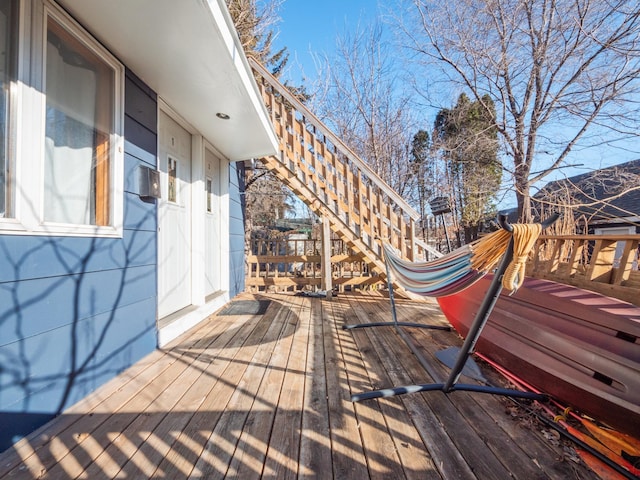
[334, 182]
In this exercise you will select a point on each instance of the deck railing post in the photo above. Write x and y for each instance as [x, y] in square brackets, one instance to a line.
[412, 252]
[326, 283]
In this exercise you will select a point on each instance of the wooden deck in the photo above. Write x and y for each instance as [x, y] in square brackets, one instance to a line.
[250, 396]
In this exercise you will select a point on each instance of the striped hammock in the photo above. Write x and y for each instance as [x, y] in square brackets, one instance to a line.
[451, 273]
[466, 265]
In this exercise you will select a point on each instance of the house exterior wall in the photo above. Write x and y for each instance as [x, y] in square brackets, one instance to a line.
[236, 230]
[75, 311]
[78, 308]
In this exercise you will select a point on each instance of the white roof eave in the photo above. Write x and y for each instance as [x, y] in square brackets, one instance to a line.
[187, 51]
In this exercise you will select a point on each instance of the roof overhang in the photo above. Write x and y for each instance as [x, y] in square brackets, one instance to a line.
[188, 52]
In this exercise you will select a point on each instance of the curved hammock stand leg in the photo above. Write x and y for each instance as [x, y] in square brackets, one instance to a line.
[394, 316]
[451, 383]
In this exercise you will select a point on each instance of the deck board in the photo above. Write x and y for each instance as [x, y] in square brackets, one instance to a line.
[377, 438]
[315, 443]
[283, 450]
[266, 434]
[252, 396]
[347, 451]
[463, 436]
[509, 439]
[239, 390]
[434, 416]
[404, 438]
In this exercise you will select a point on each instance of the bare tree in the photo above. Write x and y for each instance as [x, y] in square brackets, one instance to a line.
[364, 104]
[267, 200]
[562, 73]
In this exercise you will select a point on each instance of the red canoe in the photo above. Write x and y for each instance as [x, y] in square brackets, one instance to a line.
[580, 347]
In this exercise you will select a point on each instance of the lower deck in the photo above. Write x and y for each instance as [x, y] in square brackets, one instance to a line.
[254, 393]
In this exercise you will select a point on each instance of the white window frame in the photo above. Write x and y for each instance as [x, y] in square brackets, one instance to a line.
[9, 222]
[29, 132]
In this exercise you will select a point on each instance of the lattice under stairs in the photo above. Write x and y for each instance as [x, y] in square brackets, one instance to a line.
[328, 177]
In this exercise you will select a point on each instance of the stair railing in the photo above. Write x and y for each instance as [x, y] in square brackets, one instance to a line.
[333, 181]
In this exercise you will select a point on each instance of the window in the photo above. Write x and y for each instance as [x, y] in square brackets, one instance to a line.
[8, 43]
[209, 195]
[172, 179]
[67, 175]
[78, 126]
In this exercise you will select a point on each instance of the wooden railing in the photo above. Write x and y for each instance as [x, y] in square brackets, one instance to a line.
[327, 176]
[295, 264]
[607, 264]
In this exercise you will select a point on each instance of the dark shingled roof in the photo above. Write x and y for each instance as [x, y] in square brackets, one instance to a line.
[600, 185]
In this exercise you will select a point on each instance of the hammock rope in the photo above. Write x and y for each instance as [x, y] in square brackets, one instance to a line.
[466, 265]
[525, 236]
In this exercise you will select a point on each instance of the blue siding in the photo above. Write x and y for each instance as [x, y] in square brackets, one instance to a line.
[236, 230]
[29, 257]
[74, 312]
[89, 352]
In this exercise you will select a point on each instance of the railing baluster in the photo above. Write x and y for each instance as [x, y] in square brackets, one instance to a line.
[623, 271]
[591, 263]
[577, 249]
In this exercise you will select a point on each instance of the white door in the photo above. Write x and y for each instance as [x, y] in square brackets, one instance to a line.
[174, 223]
[212, 251]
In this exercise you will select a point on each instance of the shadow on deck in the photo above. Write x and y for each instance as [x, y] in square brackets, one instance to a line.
[267, 395]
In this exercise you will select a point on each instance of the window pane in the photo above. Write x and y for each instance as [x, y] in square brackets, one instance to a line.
[8, 39]
[173, 180]
[79, 121]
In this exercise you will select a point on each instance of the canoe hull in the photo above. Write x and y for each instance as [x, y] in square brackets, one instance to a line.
[578, 346]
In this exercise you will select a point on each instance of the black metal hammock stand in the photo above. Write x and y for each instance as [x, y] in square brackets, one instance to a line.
[444, 276]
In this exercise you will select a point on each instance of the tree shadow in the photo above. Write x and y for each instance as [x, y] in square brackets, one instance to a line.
[71, 317]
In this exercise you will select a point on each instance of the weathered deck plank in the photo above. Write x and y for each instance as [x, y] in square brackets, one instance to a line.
[242, 386]
[268, 396]
[347, 451]
[380, 452]
[256, 438]
[94, 411]
[315, 443]
[283, 449]
[135, 439]
[486, 433]
[403, 369]
[404, 438]
[511, 441]
[189, 442]
[471, 438]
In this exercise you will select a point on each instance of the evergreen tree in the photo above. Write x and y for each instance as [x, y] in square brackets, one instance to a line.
[468, 140]
[423, 171]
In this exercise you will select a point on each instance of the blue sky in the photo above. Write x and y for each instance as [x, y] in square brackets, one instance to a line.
[308, 28]
[313, 27]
